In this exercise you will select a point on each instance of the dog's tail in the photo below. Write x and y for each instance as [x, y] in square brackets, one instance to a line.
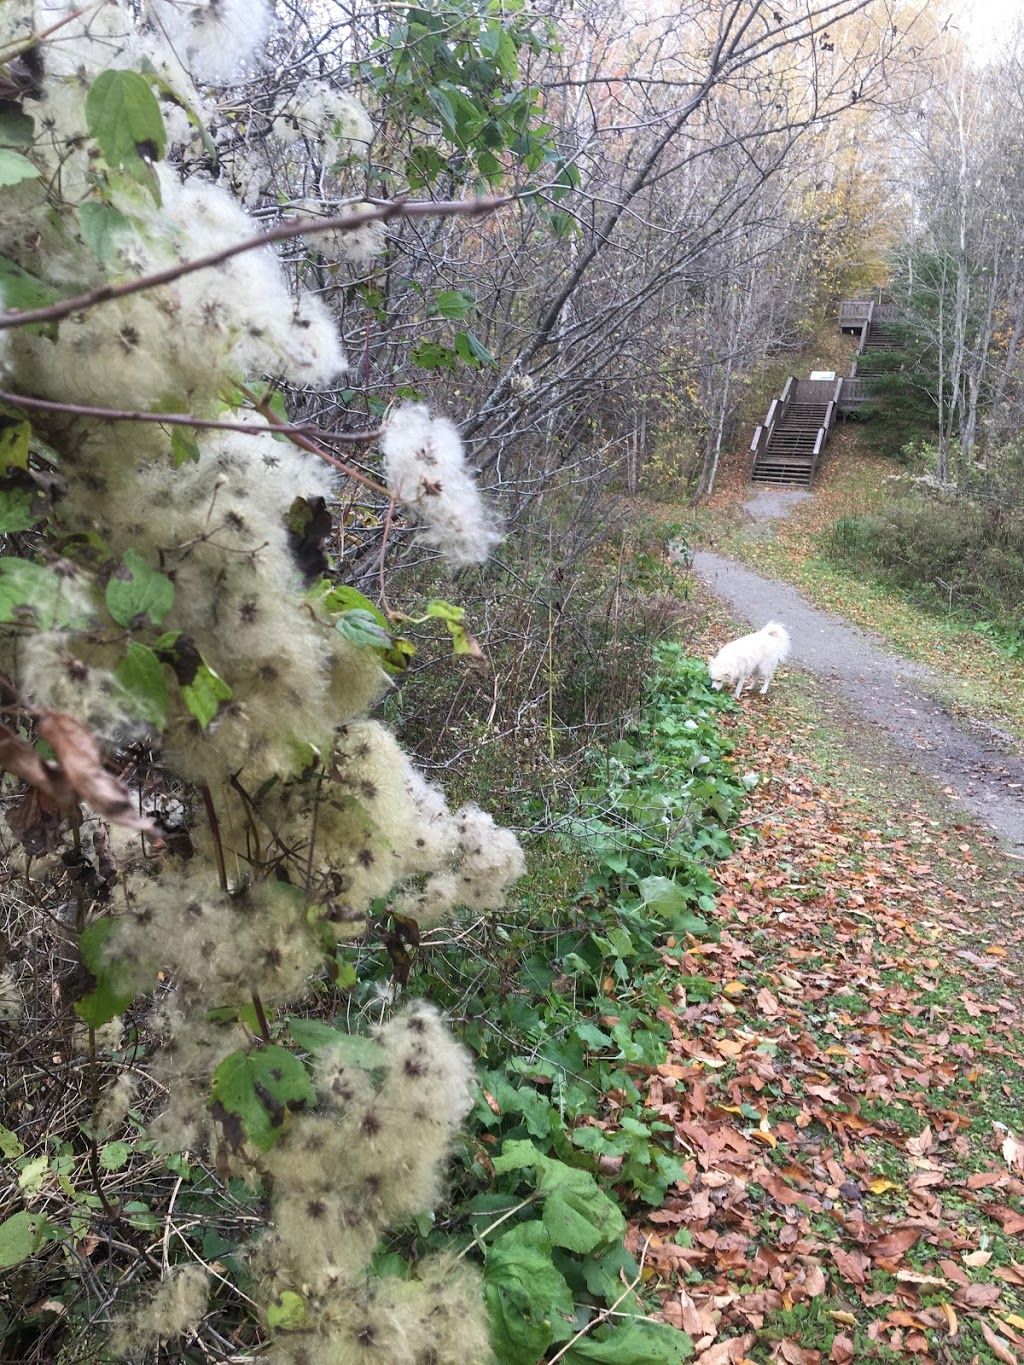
[778, 632]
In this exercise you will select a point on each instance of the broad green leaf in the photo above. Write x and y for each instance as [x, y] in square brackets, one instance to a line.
[528, 1301]
[431, 355]
[30, 1177]
[313, 1036]
[15, 440]
[124, 117]
[633, 1342]
[21, 1236]
[245, 1014]
[446, 611]
[577, 1213]
[205, 694]
[34, 592]
[16, 129]
[137, 593]
[455, 303]
[18, 509]
[102, 225]
[344, 598]
[141, 674]
[14, 167]
[10, 1144]
[20, 291]
[115, 986]
[472, 350]
[114, 1155]
[287, 1312]
[662, 895]
[253, 1091]
[362, 629]
[202, 689]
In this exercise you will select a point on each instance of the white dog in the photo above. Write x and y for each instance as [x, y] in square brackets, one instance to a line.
[757, 655]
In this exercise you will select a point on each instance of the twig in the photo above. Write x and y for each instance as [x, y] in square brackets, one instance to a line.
[394, 208]
[186, 419]
[605, 1313]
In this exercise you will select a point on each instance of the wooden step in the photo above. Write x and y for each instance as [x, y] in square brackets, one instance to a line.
[783, 472]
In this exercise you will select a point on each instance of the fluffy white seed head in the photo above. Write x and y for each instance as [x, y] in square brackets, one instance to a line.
[175, 1307]
[425, 467]
[214, 39]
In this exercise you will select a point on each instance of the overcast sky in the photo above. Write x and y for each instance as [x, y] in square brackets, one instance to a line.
[986, 23]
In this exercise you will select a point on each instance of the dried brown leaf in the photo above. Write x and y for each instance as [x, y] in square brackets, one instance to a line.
[79, 756]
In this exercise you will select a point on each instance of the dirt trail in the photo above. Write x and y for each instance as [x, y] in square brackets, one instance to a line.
[982, 770]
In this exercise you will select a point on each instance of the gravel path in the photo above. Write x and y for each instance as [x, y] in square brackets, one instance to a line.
[981, 770]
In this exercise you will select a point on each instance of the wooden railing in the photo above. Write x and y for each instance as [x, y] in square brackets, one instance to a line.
[854, 313]
[776, 412]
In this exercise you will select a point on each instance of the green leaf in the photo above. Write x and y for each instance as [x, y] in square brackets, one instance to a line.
[124, 117]
[472, 350]
[115, 986]
[362, 629]
[18, 509]
[33, 592]
[203, 690]
[20, 291]
[287, 1312]
[528, 1300]
[21, 1236]
[344, 598]
[205, 694]
[137, 593]
[662, 895]
[452, 616]
[14, 167]
[184, 447]
[431, 355]
[10, 1144]
[313, 1036]
[634, 1341]
[16, 129]
[101, 226]
[114, 1155]
[253, 1091]
[15, 440]
[141, 674]
[577, 1213]
[456, 303]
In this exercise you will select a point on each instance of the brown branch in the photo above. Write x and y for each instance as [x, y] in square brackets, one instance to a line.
[305, 443]
[185, 419]
[394, 208]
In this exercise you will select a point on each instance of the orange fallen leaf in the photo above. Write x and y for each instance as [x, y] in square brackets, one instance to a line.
[894, 1243]
[1000, 1346]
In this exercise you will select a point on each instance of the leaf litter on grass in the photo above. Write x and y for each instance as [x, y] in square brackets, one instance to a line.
[850, 1099]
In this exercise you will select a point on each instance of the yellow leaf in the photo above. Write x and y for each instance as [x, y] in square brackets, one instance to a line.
[729, 1046]
[880, 1186]
[846, 1319]
[951, 1318]
[768, 1138]
[734, 988]
[1014, 1320]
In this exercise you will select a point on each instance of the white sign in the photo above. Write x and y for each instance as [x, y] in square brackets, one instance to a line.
[823, 374]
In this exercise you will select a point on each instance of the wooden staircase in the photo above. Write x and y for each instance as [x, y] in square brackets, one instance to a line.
[788, 446]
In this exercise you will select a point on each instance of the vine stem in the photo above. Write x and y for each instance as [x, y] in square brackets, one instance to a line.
[302, 227]
[186, 419]
[211, 815]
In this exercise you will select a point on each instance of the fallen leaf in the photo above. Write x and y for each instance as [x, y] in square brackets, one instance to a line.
[999, 1345]
[917, 1146]
[79, 756]
[894, 1243]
